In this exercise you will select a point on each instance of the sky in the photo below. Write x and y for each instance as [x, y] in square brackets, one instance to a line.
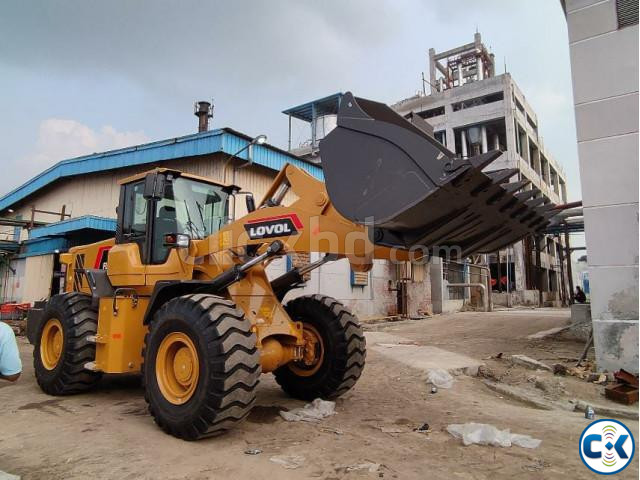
[84, 76]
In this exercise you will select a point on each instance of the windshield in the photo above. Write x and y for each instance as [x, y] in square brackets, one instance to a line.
[199, 209]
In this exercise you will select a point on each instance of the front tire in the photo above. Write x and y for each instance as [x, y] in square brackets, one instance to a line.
[62, 348]
[340, 352]
[201, 366]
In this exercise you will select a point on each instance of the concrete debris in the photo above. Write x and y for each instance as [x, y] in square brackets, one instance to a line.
[311, 412]
[289, 461]
[486, 372]
[560, 369]
[605, 411]
[252, 451]
[391, 430]
[439, 378]
[519, 394]
[484, 434]
[599, 378]
[547, 333]
[529, 362]
[552, 385]
[422, 428]
[368, 466]
[8, 476]
[332, 430]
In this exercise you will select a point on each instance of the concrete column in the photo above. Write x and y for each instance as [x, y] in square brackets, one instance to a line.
[485, 145]
[480, 68]
[519, 265]
[496, 142]
[524, 148]
[451, 139]
[463, 142]
[547, 172]
[432, 70]
[460, 77]
[437, 284]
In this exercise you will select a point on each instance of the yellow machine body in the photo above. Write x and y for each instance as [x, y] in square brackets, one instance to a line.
[321, 228]
[120, 334]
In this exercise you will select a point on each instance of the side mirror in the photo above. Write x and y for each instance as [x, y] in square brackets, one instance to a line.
[154, 186]
[250, 202]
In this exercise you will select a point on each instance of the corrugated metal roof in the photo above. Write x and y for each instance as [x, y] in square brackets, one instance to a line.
[222, 140]
[43, 246]
[63, 227]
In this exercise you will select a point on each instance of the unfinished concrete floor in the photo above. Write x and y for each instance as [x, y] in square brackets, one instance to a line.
[108, 434]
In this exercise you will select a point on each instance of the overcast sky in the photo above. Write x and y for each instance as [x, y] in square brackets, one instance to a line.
[83, 76]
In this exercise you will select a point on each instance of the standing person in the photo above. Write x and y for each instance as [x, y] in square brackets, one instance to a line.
[580, 297]
[10, 364]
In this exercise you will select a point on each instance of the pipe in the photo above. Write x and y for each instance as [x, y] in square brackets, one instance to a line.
[463, 142]
[565, 206]
[485, 143]
[487, 276]
[482, 287]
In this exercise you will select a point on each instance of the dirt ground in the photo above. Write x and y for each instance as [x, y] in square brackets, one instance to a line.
[107, 433]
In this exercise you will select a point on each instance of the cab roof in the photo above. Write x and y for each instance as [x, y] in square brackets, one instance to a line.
[177, 173]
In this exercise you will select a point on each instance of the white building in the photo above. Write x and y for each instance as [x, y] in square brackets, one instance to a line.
[473, 110]
[603, 40]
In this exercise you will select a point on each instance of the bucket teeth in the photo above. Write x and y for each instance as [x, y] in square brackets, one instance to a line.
[485, 159]
[545, 208]
[527, 194]
[501, 176]
[513, 187]
[534, 202]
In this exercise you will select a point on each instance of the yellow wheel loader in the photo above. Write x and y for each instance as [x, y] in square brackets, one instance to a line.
[181, 294]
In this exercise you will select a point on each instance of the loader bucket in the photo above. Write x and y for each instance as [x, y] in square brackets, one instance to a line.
[391, 174]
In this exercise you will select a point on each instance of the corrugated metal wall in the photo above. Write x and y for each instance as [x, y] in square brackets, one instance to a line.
[38, 277]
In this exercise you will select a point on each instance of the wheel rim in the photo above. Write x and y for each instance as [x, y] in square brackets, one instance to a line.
[313, 352]
[177, 368]
[51, 343]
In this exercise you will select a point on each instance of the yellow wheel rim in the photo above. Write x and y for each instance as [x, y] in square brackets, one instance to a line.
[313, 353]
[177, 368]
[51, 343]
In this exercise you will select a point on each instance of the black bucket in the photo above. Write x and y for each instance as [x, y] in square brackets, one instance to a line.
[383, 171]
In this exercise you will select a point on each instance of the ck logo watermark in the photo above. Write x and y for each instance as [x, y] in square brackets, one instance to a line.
[607, 446]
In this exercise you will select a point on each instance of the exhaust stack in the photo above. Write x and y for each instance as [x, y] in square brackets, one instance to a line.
[204, 111]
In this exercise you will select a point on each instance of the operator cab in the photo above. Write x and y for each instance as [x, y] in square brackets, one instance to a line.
[166, 208]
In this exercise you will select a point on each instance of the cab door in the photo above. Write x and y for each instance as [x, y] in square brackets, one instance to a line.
[126, 266]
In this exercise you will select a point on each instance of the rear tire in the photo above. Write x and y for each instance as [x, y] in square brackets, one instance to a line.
[343, 356]
[62, 349]
[201, 366]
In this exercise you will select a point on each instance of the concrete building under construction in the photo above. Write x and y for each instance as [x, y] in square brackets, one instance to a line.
[473, 110]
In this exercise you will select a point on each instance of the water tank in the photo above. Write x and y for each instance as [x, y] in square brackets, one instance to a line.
[323, 125]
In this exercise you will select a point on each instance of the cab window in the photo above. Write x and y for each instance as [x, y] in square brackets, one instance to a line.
[134, 219]
[189, 207]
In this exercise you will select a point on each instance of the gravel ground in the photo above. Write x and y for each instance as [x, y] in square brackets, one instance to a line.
[107, 433]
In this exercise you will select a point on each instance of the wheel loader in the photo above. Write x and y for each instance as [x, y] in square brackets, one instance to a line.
[182, 297]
